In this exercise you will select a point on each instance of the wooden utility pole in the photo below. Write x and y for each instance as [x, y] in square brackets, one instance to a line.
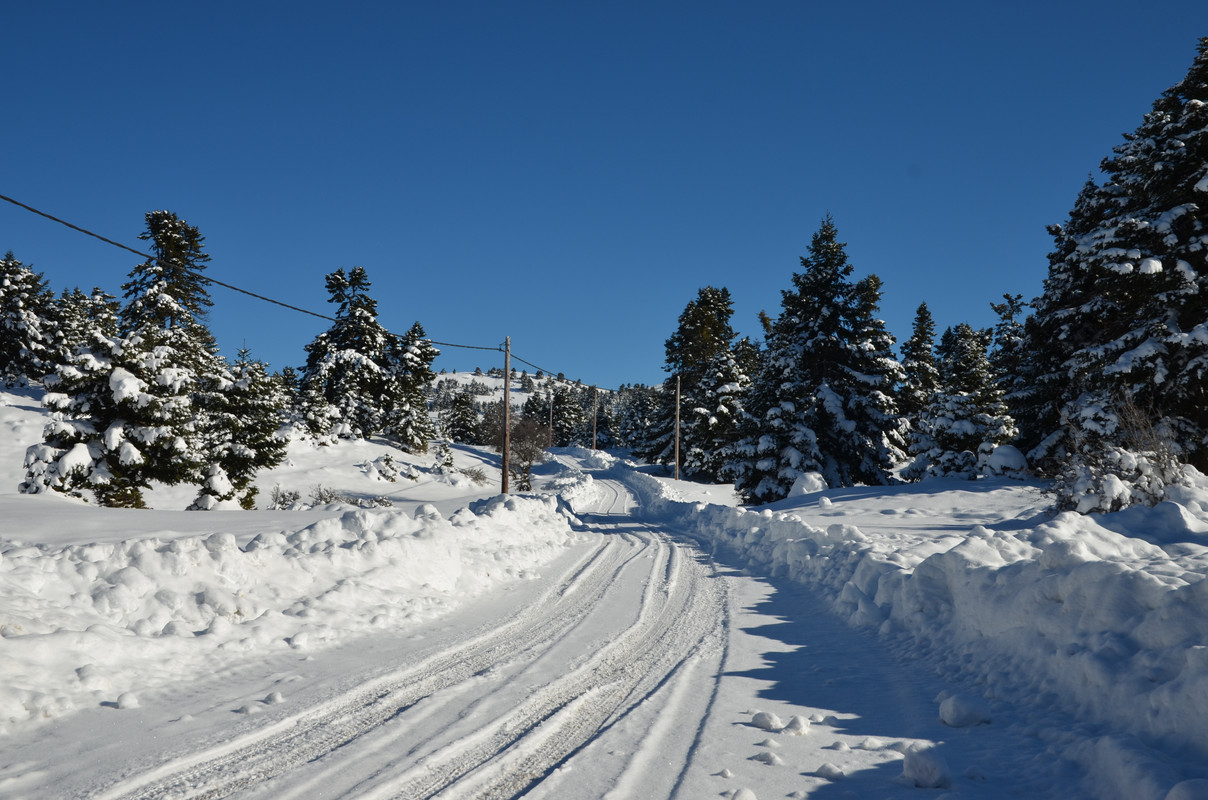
[507, 410]
[551, 416]
[677, 424]
[595, 415]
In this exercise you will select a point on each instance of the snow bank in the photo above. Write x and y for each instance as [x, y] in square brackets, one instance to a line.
[1111, 626]
[87, 624]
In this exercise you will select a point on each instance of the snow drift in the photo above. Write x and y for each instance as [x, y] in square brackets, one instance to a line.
[1104, 617]
[91, 623]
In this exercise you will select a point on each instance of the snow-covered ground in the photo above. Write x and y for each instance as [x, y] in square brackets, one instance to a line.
[616, 635]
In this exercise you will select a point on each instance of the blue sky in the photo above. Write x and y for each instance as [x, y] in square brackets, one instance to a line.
[570, 174]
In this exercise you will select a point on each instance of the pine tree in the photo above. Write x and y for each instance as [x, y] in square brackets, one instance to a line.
[242, 433]
[921, 375]
[877, 436]
[409, 361]
[711, 422]
[360, 380]
[571, 425]
[27, 323]
[822, 401]
[966, 418]
[134, 406]
[117, 427]
[703, 332]
[461, 422]
[80, 315]
[1122, 320]
[635, 409]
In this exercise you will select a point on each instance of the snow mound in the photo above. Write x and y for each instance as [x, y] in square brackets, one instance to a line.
[830, 772]
[960, 711]
[923, 768]
[808, 483]
[767, 721]
[1007, 461]
[84, 623]
[798, 726]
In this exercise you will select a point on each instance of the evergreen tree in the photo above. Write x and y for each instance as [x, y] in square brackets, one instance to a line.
[966, 418]
[116, 430]
[571, 425]
[702, 334]
[409, 360]
[822, 401]
[869, 385]
[711, 423]
[79, 316]
[635, 408]
[242, 433]
[1122, 319]
[134, 407]
[921, 375]
[461, 423]
[27, 323]
[361, 380]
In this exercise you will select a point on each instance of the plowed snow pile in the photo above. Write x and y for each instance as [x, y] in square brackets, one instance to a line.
[1104, 617]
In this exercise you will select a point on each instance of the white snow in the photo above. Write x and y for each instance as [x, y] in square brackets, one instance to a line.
[1070, 653]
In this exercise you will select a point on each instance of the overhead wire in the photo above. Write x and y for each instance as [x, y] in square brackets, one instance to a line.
[233, 288]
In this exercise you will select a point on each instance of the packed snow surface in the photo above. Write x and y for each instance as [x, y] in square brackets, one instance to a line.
[616, 634]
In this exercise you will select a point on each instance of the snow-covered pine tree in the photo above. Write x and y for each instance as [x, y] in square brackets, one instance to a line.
[1122, 322]
[703, 332]
[821, 402]
[921, 376]
[877, 440]
[711, 423]
[27, 324]
[361, 380]
[570, 421]
[116, 428]
[79, 316]
[635, 409]
[966, 418]
[242, 433]
[132, 406]
[461, 420]
[606, 422]
[1008, 349]
[409, 361]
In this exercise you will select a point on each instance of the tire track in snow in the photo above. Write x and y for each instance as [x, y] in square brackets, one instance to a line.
[361, 733]
[260, 755]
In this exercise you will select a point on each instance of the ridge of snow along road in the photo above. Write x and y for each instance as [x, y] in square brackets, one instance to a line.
[1104, 617]
[92, 623]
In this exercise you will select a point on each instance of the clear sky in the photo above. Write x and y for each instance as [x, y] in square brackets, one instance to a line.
[569, 174]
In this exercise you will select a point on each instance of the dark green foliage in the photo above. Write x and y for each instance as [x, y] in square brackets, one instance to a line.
[703, 334]
[965, 418]
[460, 420]
[1123, 316]
[921, 375]
[361, 380]
[242, 432]
[27, 323]
[823, 399]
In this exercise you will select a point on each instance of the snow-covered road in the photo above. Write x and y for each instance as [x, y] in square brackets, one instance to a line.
[482, 704]
[638, 667]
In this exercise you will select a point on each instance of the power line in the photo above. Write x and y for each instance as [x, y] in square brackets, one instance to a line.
[215, 281]
[207, 278]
